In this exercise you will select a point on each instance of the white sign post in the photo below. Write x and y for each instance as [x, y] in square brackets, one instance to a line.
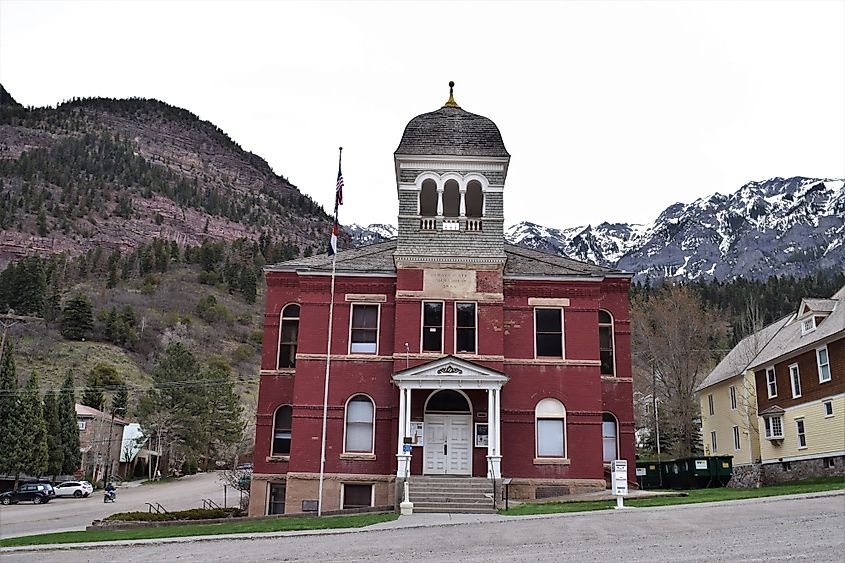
[619, 473]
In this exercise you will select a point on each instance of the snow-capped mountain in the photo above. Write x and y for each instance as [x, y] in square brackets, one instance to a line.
[779, 226]
[775, 227]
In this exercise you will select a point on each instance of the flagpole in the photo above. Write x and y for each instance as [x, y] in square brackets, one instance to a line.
[328, 361]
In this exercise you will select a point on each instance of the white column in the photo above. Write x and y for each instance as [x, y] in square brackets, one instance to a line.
[439, 201]
[494, 454]
[463, 202]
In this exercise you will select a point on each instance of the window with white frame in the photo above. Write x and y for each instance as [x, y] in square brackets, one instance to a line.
[824, 364]
[609, 437]
[363, 331]
[710, 410]
[713, 444]
[808, 325]
[432, 326]
[795, 379]
[288, 336]
[608, 363]
[360, 419]
[465, 332]
[828, 408]
[356, 495]
[548, 332]
[282, 430]
[771, 382]
[80, 424]
[550, 423]
[737, 442]
[774, 427]
[732, 393]
[802, 436]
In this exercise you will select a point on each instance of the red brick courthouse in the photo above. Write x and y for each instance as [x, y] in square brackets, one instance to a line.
[491, 360]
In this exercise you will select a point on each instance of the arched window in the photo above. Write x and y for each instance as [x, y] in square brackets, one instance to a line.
[608, 364]
[288, 335]
[428, 198]
[451, 199]
[474, 199]
[550, 422]
[281, 430]
[360, 419]
[609, 433]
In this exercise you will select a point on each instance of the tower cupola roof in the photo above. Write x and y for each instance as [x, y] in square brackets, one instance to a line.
[452, 131]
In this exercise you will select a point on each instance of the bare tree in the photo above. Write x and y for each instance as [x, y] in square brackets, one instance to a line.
[675, 337]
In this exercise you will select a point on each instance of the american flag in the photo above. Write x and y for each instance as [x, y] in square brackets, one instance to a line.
[338, 201]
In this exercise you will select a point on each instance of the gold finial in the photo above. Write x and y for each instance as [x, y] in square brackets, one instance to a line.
[451, 103]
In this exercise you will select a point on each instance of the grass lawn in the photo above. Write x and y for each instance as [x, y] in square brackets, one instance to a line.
[689, 497]
[247, 526]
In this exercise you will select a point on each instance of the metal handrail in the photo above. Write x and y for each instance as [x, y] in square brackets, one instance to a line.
[209, 504]
[157, 508]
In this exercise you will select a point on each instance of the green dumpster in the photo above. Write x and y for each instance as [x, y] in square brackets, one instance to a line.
[648, 475]
[698, 472]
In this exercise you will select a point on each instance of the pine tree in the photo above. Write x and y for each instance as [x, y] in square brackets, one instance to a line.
[72, 458]
[120, 400]
[11, 428]
[249, 284]
[77, 318]
[32, 418]
[55, 451]
[92, 395]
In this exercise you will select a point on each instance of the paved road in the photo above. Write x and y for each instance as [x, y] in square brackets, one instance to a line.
[804, 529]
[63, 514]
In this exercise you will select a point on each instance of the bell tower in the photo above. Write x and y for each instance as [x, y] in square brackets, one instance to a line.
[451, 167]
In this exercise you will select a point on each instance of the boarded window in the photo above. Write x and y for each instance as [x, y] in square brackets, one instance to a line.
[357, 496]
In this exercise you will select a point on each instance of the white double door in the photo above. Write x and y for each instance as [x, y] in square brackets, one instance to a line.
[447, 447]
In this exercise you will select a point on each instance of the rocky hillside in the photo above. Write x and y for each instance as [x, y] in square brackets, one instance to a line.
[116, 173]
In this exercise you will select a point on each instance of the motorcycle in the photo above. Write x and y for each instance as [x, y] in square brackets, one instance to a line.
[109, 496]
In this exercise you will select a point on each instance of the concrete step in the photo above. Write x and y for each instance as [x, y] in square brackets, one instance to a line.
[434, 490]
[454, 509]
[450, 497]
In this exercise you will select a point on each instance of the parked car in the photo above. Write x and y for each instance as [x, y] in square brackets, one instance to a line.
[74, 489]
[38, 493]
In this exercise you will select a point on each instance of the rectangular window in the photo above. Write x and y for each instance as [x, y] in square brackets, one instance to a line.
[465, 320]
[432, 337]
[829, 462]
[771, 382]
[710, 404]
[808, 325]
[277, 499]
[828, 408]
[357, 496]
[548, 331]
[786, 466]
[363, 337]
[824, 364]
[550, 438]
[774, 427]
[80, 424]
[737, 444]
[713, 442]
[795, 379]
[732, 392]
[802, 436]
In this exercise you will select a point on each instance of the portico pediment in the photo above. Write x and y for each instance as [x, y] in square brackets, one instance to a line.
[450, 373]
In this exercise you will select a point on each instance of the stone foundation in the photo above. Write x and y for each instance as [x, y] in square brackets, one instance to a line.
[303, 487]
[535, 489]
[783, 472]
[748, 476]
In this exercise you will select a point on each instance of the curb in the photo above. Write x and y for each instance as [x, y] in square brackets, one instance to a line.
[370, 529]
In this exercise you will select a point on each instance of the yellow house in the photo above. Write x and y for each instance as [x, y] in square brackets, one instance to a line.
[729, 422]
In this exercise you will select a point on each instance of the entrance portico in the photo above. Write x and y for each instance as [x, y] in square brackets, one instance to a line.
[448, 429]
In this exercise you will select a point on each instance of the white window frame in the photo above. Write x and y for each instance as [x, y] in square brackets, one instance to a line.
[455, 327]
[769, 427]
[616, 430]
[732, 395]
[279, 341]
[273, 452]
[821, 365]
[808, 325]
[538, 417]
[737, 438]
[799, 426]
[612, 340]
[378, 325]
[825, 405]
[714, 443]
[771, 382]
[81, 425]
[710, 409]
[562, 333]
[793, 379]
[346, 424]
[343, 493]
[442, 325]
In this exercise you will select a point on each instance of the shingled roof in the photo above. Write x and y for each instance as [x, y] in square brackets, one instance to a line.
[452, 131]
[378, 258]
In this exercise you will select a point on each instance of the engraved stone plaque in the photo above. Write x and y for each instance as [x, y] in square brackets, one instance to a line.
[449, 283]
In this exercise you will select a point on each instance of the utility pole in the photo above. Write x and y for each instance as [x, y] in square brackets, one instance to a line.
[108, 449]
[9, 320]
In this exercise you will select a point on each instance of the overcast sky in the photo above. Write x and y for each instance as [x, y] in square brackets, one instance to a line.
[611, 110]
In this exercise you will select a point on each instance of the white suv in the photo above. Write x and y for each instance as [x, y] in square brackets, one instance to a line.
[74, 489]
